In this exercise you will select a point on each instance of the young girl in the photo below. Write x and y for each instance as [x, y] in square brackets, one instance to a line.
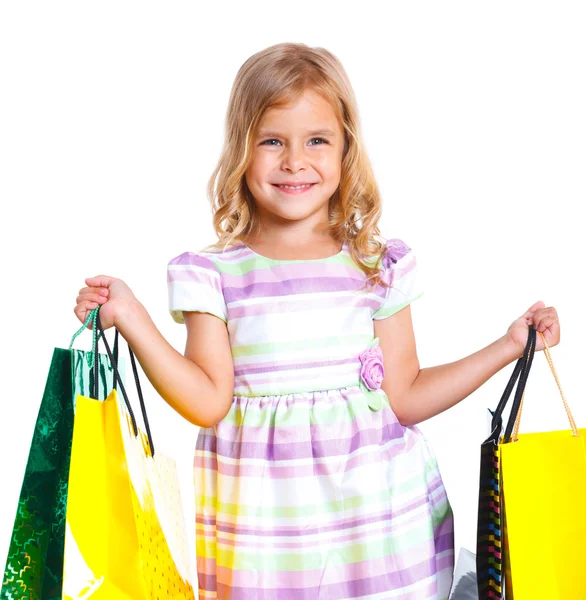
[312, 480]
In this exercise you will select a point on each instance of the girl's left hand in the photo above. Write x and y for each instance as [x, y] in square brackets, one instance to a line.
[544, 319]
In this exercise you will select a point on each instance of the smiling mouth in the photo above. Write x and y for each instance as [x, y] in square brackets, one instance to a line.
[297, 189]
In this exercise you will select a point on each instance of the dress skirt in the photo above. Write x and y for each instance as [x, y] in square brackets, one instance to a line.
[319, 495]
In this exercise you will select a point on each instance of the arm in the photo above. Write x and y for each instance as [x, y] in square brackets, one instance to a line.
[199, 385]
[418, 394]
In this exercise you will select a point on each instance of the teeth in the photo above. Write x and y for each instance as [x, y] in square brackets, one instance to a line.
[295, 187]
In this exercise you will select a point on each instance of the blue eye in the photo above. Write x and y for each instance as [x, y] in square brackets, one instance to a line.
[266, 142]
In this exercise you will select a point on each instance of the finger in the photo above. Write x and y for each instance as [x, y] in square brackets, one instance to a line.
[533, 309]
[549, 312]
[552, 334]
[100, 281]
[542, 323]
[86, 293]
[91, 298]
[82, 309]
[94, 290]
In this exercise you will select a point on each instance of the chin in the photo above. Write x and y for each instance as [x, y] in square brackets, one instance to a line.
[294, 210]
[293, 215]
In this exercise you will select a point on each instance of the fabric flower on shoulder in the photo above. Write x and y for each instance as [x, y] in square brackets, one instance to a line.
[396, 249]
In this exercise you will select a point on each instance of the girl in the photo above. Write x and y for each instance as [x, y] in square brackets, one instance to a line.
[312, 479]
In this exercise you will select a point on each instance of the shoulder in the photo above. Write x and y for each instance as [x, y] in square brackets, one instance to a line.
[190, 259]
[395, 250]
[210, 259]
[400, 275]
[195, 284]
[398, 258]
[200, 258]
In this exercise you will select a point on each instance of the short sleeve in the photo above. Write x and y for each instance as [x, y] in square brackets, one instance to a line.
[400, 271]
[194, 284]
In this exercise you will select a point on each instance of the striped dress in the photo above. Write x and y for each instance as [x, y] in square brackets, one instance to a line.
[310, 488]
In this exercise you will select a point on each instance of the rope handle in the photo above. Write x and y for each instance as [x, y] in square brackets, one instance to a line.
[90, 317]
[547, 353]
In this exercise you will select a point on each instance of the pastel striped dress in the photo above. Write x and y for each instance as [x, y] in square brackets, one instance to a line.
[310, 488]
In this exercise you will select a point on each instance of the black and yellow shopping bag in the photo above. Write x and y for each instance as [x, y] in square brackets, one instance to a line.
[531, 521]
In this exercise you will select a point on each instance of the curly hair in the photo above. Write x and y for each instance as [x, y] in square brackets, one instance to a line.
[276, 77]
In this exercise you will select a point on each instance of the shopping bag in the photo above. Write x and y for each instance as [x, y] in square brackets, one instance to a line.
[542, 485]
[34, 565]
[464, 586]
[489, 539]
[125, 531]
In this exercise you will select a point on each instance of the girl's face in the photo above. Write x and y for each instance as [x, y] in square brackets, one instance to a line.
[298, 144]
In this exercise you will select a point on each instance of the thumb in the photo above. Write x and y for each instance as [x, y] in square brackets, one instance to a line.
[533, 309]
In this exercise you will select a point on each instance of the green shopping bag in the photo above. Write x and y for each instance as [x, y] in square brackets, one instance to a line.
[34, 566]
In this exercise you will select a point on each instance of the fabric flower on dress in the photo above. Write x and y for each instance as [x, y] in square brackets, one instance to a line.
[371, 375]
[396, 249]
[372, 370]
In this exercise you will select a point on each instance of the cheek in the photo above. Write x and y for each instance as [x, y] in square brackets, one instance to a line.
[257, 169]
[332, 174]
[330, 166]
[266, 161]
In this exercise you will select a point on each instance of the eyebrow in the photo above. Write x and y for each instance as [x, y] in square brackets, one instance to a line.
[315, 132]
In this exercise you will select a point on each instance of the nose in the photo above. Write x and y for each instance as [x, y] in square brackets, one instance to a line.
[294, 158]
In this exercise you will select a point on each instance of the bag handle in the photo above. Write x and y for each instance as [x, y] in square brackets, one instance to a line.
[92, 357]
[123, 390]
[527, 359]
[573, 426]
[496, 423]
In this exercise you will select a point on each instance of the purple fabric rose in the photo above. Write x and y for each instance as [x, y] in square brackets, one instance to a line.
[396, 249]
[372, 370]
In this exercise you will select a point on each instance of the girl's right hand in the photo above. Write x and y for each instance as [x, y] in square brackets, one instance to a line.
[112, 294]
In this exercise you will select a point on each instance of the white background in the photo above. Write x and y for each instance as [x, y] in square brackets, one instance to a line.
[111, 121]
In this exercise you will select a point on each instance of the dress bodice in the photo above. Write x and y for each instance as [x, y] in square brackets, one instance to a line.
[294, 325]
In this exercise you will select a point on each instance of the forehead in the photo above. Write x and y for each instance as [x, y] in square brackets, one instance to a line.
[310, 112]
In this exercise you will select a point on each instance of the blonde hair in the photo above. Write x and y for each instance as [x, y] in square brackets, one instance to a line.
[274, 77]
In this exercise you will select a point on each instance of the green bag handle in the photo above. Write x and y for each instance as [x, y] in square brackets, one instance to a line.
[93, 356]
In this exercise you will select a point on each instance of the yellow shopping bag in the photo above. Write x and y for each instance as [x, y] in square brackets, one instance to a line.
[124, 525]
[543, 496]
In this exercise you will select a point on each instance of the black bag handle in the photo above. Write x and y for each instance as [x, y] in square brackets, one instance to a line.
[117, 378]
[490, 550]
[530, 351]
[521, 372]
[94, 380]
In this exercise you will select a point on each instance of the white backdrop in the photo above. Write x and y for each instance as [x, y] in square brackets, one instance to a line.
[111, 121]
